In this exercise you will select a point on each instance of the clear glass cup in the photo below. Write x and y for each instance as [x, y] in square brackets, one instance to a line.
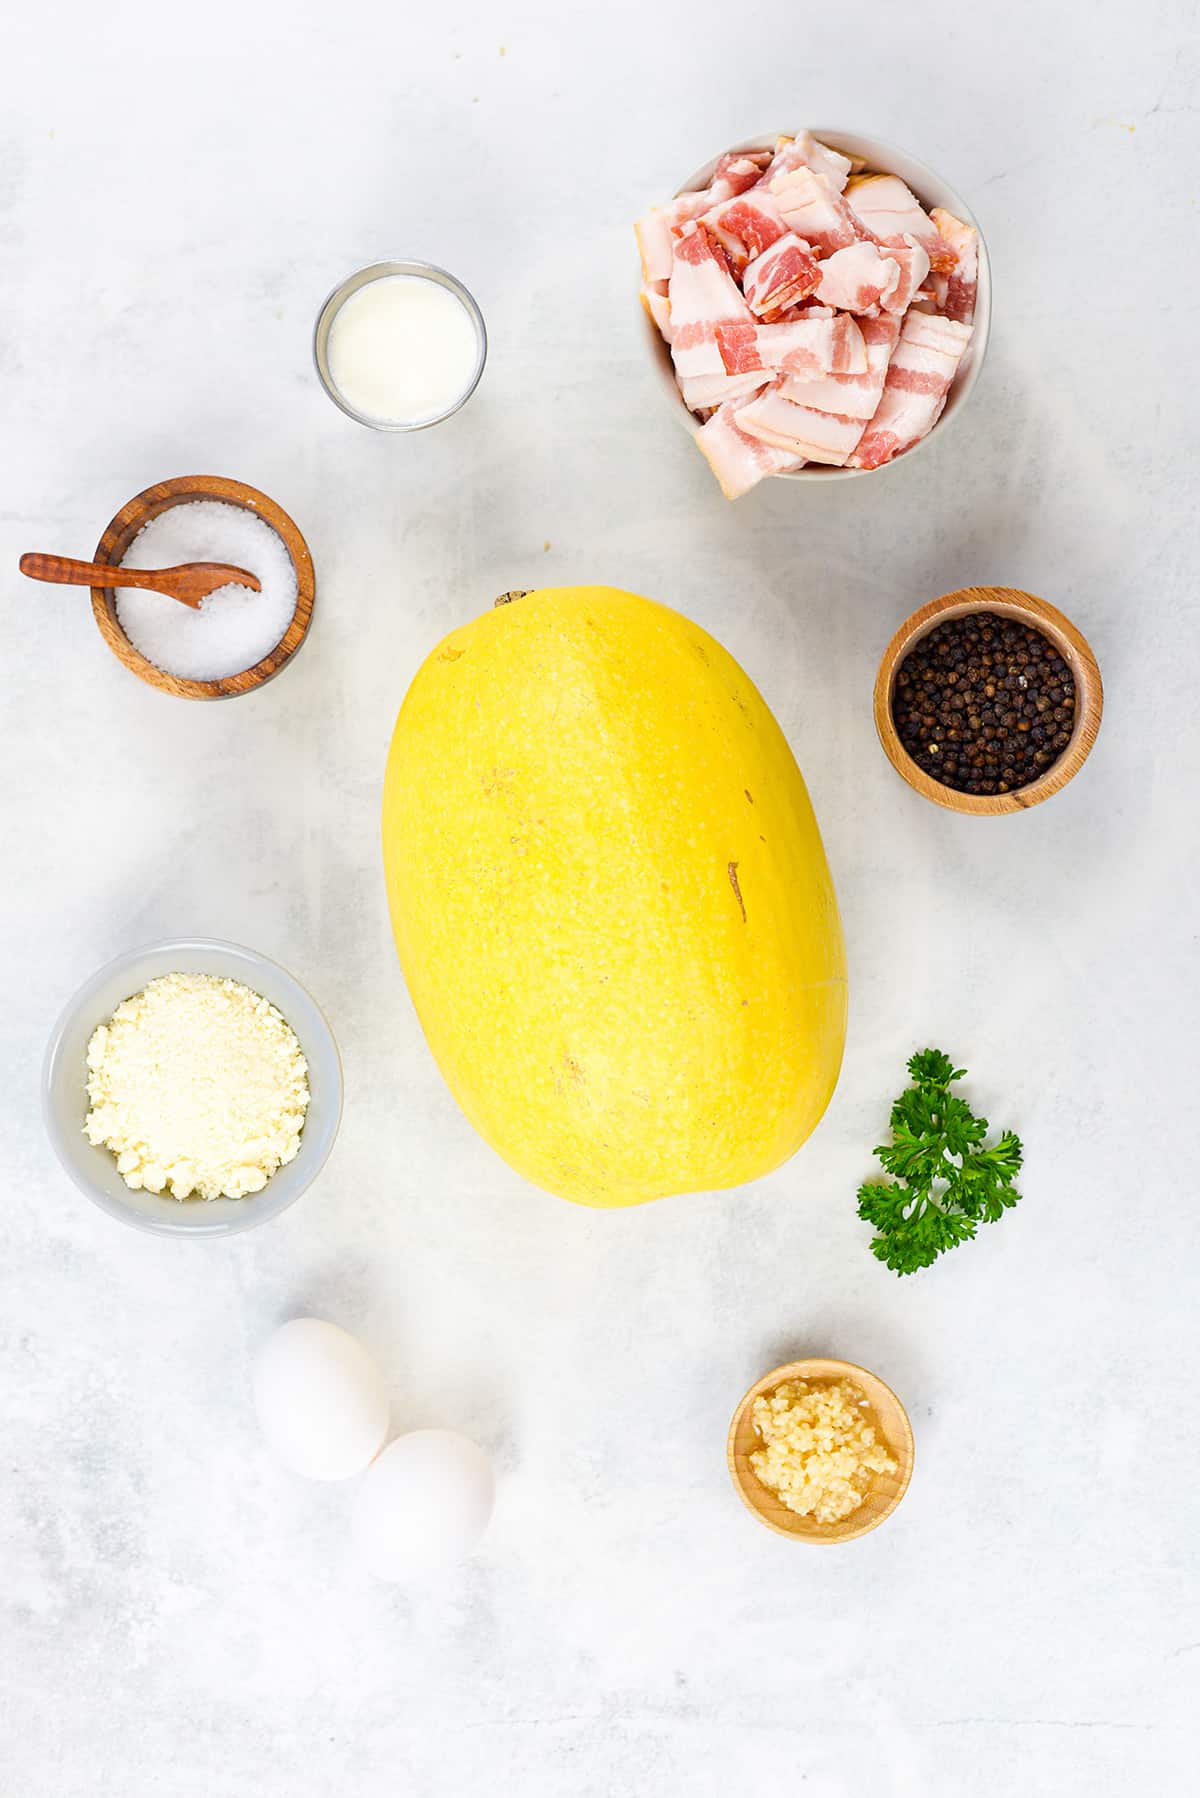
[376, 271]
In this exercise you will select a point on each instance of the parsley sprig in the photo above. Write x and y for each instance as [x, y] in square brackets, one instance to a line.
[946, 1183]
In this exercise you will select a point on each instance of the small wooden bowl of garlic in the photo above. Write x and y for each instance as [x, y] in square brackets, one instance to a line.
[820, 1450]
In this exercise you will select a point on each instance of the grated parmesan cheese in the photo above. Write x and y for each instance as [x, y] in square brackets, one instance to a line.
[199, 1088]
[820, 1447]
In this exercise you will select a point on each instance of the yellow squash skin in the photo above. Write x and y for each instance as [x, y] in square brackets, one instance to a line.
[611, 901]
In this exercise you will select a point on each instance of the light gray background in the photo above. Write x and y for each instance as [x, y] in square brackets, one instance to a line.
[178, 190]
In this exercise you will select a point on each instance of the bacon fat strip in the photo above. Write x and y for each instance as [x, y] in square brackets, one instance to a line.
[913, 263]
[850, 396]
[817, 436]
[745, 226]
[923, 365]
[739, 461]
[889, 211]
[655, 300]
[814, 209]
[736, 171]
[807, 152]
[962, 279]
[857, 278]
[814, 346]
[786, 273]
[656, 233]
[702, 294]
[700, 392]
[901, 420]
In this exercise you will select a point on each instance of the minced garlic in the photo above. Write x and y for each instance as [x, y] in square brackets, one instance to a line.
[199, 1088]
[820, 1447]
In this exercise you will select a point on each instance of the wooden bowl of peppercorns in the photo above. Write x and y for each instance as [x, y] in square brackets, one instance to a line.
[988, 700]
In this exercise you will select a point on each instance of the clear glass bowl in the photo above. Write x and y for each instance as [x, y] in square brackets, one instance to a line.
[376, 271]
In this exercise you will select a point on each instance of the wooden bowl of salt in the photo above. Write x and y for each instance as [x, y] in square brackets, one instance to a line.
[138, 512]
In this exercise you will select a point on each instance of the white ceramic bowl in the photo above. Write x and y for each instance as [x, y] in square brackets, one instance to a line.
[931, 190]
[65, 1101]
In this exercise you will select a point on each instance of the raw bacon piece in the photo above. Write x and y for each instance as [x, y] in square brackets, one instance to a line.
[782, 276]
[801, 346]
[817, 436]
[701, 288]
[656, 233]
[890, 212]
[928, 353]
[745, 226]
[922, 367]
[805, 152]
[655, 241]
[962, 279]
[736, 171]
[738, 348]
[737, 358]
[914, 266]
[738, 461]
[662, 226]
[814, 209]
[901, 420]
[837, 346]
[814, 346]
[880, 334]
[702, 391]
[657, 304]
[850, 396]
[857, 278]
[702, 294]
[695, 351]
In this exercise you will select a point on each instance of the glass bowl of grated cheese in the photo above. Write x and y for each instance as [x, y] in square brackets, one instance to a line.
[292, 1021]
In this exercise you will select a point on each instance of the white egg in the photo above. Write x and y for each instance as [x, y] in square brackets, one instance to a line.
[423, 1504]
[321, 1400]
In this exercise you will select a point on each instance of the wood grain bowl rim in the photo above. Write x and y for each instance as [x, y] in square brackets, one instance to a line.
[888, 1489]
[124, 527]
[1009, 602]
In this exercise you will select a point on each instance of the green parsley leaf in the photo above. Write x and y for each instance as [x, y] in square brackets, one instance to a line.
[945, 1183]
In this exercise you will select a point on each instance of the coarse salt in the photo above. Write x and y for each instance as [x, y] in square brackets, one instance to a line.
[234, 627]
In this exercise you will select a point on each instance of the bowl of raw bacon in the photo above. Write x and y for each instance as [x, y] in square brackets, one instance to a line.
[816, 304]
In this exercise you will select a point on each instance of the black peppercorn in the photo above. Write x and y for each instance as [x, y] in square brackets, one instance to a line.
[984, 704]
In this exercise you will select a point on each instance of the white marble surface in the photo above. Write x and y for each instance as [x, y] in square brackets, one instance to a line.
[177, 192]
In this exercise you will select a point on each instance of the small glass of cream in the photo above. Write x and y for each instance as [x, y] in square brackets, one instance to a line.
[400, 345]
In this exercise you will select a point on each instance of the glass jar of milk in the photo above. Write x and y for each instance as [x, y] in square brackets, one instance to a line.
[400, 345]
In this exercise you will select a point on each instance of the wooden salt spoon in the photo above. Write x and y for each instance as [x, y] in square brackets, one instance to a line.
[189, 584]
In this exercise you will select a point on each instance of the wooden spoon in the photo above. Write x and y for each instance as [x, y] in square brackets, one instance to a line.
[189, 584]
